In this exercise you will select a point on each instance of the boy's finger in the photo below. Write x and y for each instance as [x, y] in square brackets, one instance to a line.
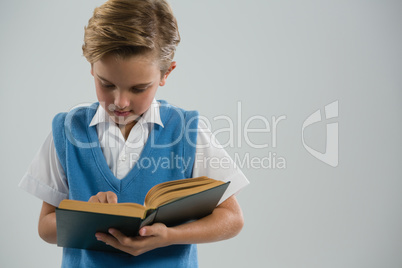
[101, 197]
[107, 239]
[94, 199]
[147, 231]
[111, 197]
[152, 230]
[119, 236]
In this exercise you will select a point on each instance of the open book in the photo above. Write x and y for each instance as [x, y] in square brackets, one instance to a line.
[171, 203]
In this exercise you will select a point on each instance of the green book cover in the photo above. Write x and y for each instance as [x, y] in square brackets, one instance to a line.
[76, 229]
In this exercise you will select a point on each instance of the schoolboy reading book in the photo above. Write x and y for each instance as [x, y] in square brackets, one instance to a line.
[115, 150]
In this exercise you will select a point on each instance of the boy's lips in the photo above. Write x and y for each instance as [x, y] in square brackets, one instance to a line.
[121, 113]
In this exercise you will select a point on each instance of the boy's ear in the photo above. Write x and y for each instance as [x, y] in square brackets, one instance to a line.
[167, 73]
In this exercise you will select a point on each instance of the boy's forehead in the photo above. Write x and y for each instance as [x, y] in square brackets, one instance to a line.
[134, 69]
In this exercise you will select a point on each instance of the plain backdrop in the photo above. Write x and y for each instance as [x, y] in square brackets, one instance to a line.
[237, 59]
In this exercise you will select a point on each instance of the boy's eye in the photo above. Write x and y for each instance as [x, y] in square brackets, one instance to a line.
[107, 86]
[138, 90]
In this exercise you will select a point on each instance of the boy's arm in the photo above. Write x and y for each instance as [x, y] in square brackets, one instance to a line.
[47, 223]
[47, 227]
[225, 222]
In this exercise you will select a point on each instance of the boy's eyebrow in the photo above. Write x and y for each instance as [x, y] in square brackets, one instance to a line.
[139, 85]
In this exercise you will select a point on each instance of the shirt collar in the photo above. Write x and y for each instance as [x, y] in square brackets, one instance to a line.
[152, 115]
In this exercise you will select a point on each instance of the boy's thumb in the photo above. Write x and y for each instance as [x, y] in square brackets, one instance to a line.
[145, 231]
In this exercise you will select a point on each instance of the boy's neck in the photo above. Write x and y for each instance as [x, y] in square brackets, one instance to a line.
[125, 129]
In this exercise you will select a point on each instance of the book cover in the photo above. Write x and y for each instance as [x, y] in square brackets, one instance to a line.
[76, 229]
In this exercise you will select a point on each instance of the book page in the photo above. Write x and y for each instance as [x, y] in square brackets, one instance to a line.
[122, 209]
[167, 192]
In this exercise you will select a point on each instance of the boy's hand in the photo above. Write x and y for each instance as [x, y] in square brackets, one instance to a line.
[225, 222]
[151, 237]
[104, 197]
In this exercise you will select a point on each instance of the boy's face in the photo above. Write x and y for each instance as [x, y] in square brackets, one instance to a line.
[126, 87]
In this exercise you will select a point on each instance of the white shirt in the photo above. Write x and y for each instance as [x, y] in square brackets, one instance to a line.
[45, 177]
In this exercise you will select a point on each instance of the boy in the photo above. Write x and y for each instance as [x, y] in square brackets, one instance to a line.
[96, 153]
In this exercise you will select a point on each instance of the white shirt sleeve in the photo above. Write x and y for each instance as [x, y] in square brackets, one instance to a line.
[212, 160]
[45, 177]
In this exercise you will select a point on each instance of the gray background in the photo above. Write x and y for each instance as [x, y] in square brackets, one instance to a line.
[274, 57]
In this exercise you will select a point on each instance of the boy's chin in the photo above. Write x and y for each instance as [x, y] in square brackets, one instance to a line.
[126, 120]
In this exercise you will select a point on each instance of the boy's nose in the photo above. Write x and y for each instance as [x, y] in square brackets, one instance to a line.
[121, 100]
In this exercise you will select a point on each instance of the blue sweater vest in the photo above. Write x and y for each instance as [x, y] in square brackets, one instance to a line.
[168, 155]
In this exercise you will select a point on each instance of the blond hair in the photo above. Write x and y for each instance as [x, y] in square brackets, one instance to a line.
[126, 28]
